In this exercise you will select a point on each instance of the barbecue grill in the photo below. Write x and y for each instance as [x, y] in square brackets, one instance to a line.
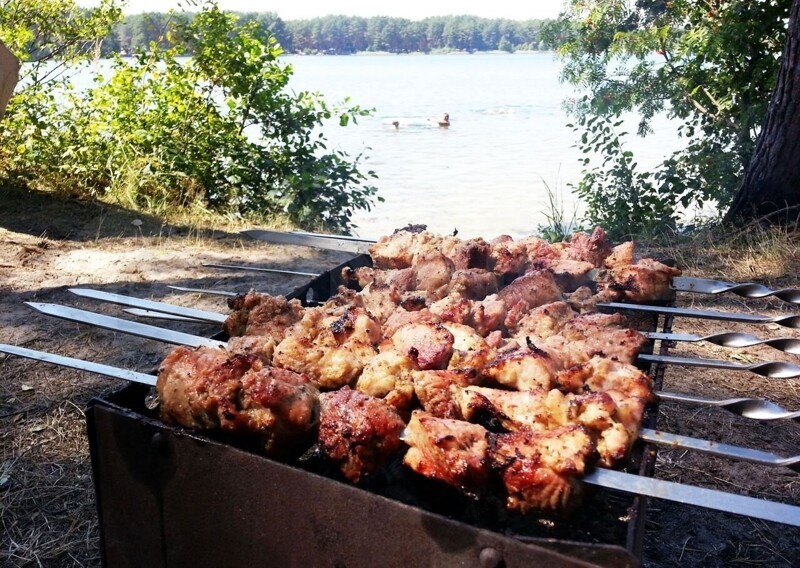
[171, 497]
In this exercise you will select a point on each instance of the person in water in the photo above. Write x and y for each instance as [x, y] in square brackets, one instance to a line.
[444, 122]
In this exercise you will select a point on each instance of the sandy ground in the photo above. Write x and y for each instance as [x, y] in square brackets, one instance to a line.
[47, 506]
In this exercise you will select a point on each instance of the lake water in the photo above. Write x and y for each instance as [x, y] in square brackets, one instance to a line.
[489, 172]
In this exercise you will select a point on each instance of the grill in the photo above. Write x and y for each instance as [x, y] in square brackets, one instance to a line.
[168, 497]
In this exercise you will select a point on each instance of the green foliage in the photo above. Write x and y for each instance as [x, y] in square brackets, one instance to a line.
[220, 129]
[710, 65]
[619, 197]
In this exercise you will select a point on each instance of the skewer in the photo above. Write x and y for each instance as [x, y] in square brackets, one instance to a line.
[161, 315]
[259, 269]
[757, 508]
[792, 321]
[745, 289]
[202, 291]
[749, 408]
[754, 408]
[769, 369]
[190, 313]
[732, 339]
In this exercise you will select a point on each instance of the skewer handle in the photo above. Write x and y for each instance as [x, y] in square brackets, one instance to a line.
[745, 290]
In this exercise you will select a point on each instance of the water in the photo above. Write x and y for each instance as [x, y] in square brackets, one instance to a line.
[489, 172]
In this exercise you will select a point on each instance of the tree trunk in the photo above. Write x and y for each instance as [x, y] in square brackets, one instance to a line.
[9, 74]
[770, 189]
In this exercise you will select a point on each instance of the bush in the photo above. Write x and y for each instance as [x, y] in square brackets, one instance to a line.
[220, 128]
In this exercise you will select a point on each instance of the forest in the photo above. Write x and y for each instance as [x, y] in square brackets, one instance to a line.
[341, 35]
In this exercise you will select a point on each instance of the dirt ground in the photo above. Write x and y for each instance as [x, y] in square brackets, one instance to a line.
[47, 508]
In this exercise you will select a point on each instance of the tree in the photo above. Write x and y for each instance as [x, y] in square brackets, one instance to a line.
[771, 183]
[710, 65]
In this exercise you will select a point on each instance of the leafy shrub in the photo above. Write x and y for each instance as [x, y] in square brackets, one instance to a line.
[220, 128]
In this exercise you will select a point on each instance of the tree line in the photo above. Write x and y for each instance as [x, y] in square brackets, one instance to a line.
[346, 34]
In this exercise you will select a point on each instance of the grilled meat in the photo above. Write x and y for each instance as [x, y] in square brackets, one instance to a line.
[359, 432]
[262, 314]
[205, 388]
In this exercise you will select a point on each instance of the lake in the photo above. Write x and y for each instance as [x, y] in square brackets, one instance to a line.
[490, 172]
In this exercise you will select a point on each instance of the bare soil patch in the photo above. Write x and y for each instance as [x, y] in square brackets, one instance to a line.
[47, 509]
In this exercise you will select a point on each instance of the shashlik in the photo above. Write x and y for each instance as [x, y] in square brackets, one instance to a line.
[481, 381]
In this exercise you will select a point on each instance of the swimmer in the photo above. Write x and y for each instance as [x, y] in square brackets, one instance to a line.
[396, 124]
[444, 122]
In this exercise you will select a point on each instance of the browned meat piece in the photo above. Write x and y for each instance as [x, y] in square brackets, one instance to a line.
[541, 470]
[541, 254]
[433, 271]
[571, 274]
[331, 346]
[184, 378]
[262, 314]
[400, 249]
[388, 375]
[359, 432]
[594, 248]
[508, 257]
[401, 317]
[262, 347]
[533, 289]
[380, 300]
[436, 391]
[473, 284]
[546, 320]
[204, 388]
[472, 253]
[600, 374]
[646, 281]
[524, 368]
[429, 345]
[471, 352]
[452, 451]
[484, 316]
[403, 279]
[548, 410]
[621, 255]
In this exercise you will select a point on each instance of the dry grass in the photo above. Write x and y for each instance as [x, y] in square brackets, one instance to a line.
[47, 510]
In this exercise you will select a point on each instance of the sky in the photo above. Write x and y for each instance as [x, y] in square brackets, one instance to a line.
[411, 9]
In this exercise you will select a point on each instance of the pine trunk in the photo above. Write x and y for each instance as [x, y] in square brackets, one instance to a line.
[770, 189]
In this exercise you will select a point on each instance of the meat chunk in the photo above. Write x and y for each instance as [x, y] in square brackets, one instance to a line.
[452, 451]
[388, 375]
[524, 368]
[646, 281]
[262, 314]
[437, 391]
[593, 248]
[429, 345]
[204, 388]
[541, 470]
[359, 432]
[529, 291]
[331, 347]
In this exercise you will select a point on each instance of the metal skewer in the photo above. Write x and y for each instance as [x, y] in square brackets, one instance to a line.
[203, 291]
[732, 339]
[190, 313]
[745, 289]
[259, 269]
[792, 321]
[770, 369]
[754, 408]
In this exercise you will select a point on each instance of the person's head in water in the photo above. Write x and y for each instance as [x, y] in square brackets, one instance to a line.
[445, 121]
[396, 124]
